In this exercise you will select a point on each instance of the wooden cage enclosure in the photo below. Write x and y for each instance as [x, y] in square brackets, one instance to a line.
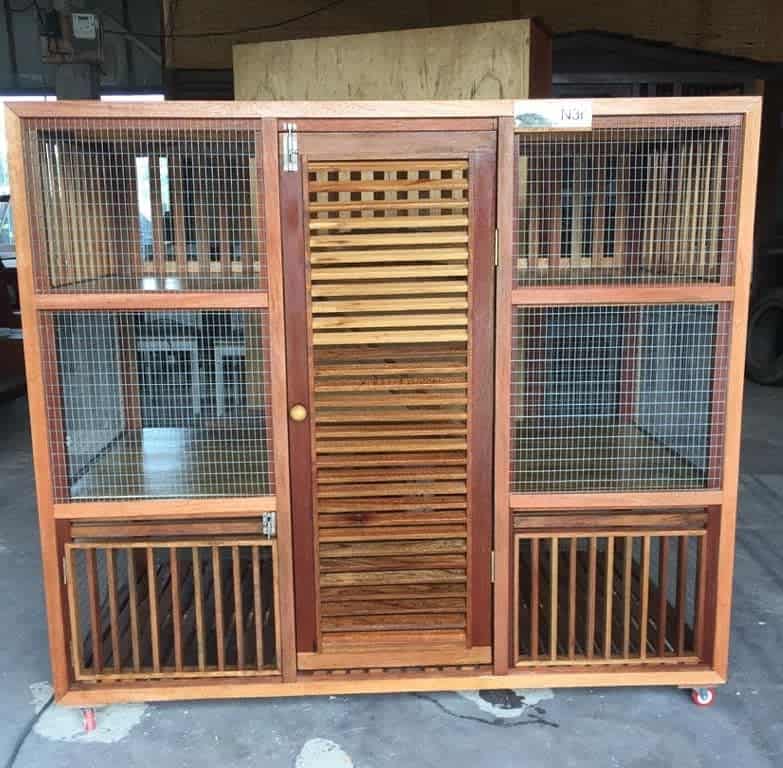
[373, 396]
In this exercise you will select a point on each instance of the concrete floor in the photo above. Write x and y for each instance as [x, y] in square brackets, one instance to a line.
[620, 727]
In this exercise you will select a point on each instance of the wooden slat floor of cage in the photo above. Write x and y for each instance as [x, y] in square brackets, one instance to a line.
[194, 661]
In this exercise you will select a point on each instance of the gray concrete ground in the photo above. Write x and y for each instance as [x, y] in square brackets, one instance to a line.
[615, 727]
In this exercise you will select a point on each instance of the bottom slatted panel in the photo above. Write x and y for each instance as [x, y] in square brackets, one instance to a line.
[609, 596]
[172, 609]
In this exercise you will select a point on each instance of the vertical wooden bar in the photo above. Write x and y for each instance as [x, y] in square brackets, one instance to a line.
[609, 596]
[554, 556]
[504, 274]
[534, 612]
[644, 587]
[698, 611]
[198, 602]
[591, 589]
[51, 534]
[94, 603]
[267, 168]
[73, 611]
[258, 608]
[627, 565]
[111, 586]
[663, 594]
[176, 608]
[133, 609]
[516, 604]
[152, 590]
[481, 383]
[238, 612]
[276, 598]
[682, 592]
[572, 598]
[217, 586]
[721, 550]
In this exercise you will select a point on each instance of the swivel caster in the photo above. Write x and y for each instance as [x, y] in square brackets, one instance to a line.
[89, 720]
[703, 697]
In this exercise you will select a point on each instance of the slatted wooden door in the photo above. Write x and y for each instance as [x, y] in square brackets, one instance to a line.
[388, 248]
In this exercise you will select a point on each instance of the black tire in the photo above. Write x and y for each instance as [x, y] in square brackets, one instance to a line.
[764, 358]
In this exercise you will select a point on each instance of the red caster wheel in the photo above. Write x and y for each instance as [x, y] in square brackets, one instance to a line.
[89, 720]
[703, 697]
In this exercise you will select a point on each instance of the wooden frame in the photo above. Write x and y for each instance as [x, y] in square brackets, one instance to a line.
[347, 122]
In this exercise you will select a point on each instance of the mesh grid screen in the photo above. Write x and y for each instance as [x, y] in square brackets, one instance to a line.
[159, 404]
[155, 206]
[627, 205]
[610, 398]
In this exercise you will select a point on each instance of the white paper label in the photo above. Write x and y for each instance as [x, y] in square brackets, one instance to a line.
[555, 113]
[85, 26]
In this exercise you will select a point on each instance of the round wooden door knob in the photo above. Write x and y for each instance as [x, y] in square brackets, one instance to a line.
[298, 413]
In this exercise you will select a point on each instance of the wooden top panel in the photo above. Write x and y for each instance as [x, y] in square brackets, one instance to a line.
[371, 109]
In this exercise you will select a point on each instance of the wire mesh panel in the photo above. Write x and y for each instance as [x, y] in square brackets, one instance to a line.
[608, 398]
[631, 205]
[172, 609]
[153, 205]
[158, 404]
[609, 596]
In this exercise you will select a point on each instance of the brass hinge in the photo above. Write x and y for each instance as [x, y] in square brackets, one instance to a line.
[492, 566]
[268, 524]
[65, 572]
[290, 148]
[497, 247]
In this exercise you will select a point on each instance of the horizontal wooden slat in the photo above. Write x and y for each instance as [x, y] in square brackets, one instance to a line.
[388, 289]
[357, 490]
[395, 255]
[398, 415]
[391, 547]
[387, 337]
[398, 238]
[377, 446]
[387, 185]
[327, 476]
[388, 564]
[327, 166]
[400, 304]
[388, 222]
[456, 202]
[638, 522]
[408, 576]
[374, 607]
[417, 271]
[358, 531]
[381, 383]
[393, 621]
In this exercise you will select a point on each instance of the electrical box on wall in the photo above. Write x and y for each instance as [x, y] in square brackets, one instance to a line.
[72, 37]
